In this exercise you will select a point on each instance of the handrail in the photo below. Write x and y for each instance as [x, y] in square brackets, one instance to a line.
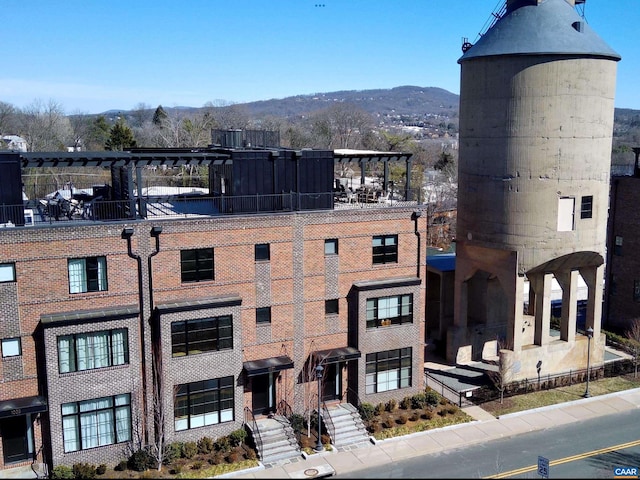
[250, 419]
[35, 458]
[284, 409]
[328, 422]
[351, 391]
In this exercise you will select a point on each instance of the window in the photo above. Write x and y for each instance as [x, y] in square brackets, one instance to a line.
[617, 248]
[586, 207]
[636, 290]
[87, 274]
[202, 335]
[388, 370]
[204, 403]
[263, 315]
[566, 207]
[196, 265]
[7, 272]
[262, 251]
[87, 351]
[95, 423]
[385, 249]
[11, 347]
[385, 311]
[331, 307]
[331, 246]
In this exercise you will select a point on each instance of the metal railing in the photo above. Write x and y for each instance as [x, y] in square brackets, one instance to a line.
[454, 396]
[50, 211]
[250, 420]
[328, 422]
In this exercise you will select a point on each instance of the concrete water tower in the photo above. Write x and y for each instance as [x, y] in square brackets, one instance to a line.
[536, 122]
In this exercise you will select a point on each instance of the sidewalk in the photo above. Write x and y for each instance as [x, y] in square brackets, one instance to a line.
[485, 427]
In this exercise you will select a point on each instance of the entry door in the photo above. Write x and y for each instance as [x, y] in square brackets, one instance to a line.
[263, 389]
[14, 439]
[332, 382]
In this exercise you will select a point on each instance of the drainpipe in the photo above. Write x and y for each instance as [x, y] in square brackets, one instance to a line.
[127, 233]
[415, 216]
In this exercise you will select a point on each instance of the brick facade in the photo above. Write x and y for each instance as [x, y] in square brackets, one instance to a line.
[295, 283]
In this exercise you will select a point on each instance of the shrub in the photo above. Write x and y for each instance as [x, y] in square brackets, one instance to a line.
[366, 411]
[237, 437]
[452, 409]
[84, 470]
[234, 457]
[387, 422]
[443, 401]
[379, 409]
[196, 466]
[251, 454]
[297, 422]
[374, 426]
[427, 415]
[121, 466]
[415, 416]
[402, 418]
[432, 398]
[405, 403]
[443, 412]
[189, 449]
[62, 471]
[172, 452]
[176, 469]
[101, 469]
[391, 405]
[223, 444]
[205, 445]
[419, 400]
[140, 460]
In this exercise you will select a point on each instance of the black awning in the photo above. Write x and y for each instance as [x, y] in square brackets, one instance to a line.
[267, 365]
[335, 355]
[22, 406]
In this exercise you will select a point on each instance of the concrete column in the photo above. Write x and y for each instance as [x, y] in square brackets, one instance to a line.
[593, 277]
[569, 283]
[541, 284]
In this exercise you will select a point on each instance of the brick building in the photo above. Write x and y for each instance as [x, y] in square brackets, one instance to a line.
[209, 310]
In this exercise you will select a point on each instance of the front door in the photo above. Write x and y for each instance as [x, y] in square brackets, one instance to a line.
[263, 390]
[14, 439]
[332, 382]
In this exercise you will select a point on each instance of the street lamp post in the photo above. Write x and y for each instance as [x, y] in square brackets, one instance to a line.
[319, 370]
[589, 335]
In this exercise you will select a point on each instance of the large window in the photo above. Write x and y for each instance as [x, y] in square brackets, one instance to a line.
[86, 351]
[386, 311]
[97, 422]
[202, 335]
[87, 274]
[385, 249]
[204, 403]
[196, 265]
[7, 272]
[388, 370]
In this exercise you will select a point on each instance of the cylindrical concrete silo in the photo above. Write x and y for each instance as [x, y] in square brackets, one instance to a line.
[536, 121]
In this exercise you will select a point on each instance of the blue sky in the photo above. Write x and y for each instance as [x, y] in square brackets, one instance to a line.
[90, 56]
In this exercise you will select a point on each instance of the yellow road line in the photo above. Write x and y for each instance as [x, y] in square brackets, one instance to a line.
[560, 461]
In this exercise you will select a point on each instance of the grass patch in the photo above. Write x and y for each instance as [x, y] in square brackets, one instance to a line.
[554, 396]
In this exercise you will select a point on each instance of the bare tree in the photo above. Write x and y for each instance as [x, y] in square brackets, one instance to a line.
[45, 127]
[633, 345]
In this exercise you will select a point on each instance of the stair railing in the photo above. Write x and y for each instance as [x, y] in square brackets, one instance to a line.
[250, 420]
[328, 422]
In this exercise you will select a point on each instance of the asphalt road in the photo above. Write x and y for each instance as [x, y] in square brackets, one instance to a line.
[588, 449]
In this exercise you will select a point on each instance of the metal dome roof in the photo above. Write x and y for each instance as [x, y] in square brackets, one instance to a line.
[552, 27]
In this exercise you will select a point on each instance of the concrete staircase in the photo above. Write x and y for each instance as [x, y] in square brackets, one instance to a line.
[348, 427]
[277, 438]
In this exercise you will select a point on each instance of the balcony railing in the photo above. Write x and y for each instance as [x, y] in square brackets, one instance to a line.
[61, 210]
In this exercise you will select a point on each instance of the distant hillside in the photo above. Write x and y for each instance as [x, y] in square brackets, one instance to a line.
[406, 100]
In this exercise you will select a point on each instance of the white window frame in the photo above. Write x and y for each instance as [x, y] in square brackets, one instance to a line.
[7, 272]
[11, 347]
